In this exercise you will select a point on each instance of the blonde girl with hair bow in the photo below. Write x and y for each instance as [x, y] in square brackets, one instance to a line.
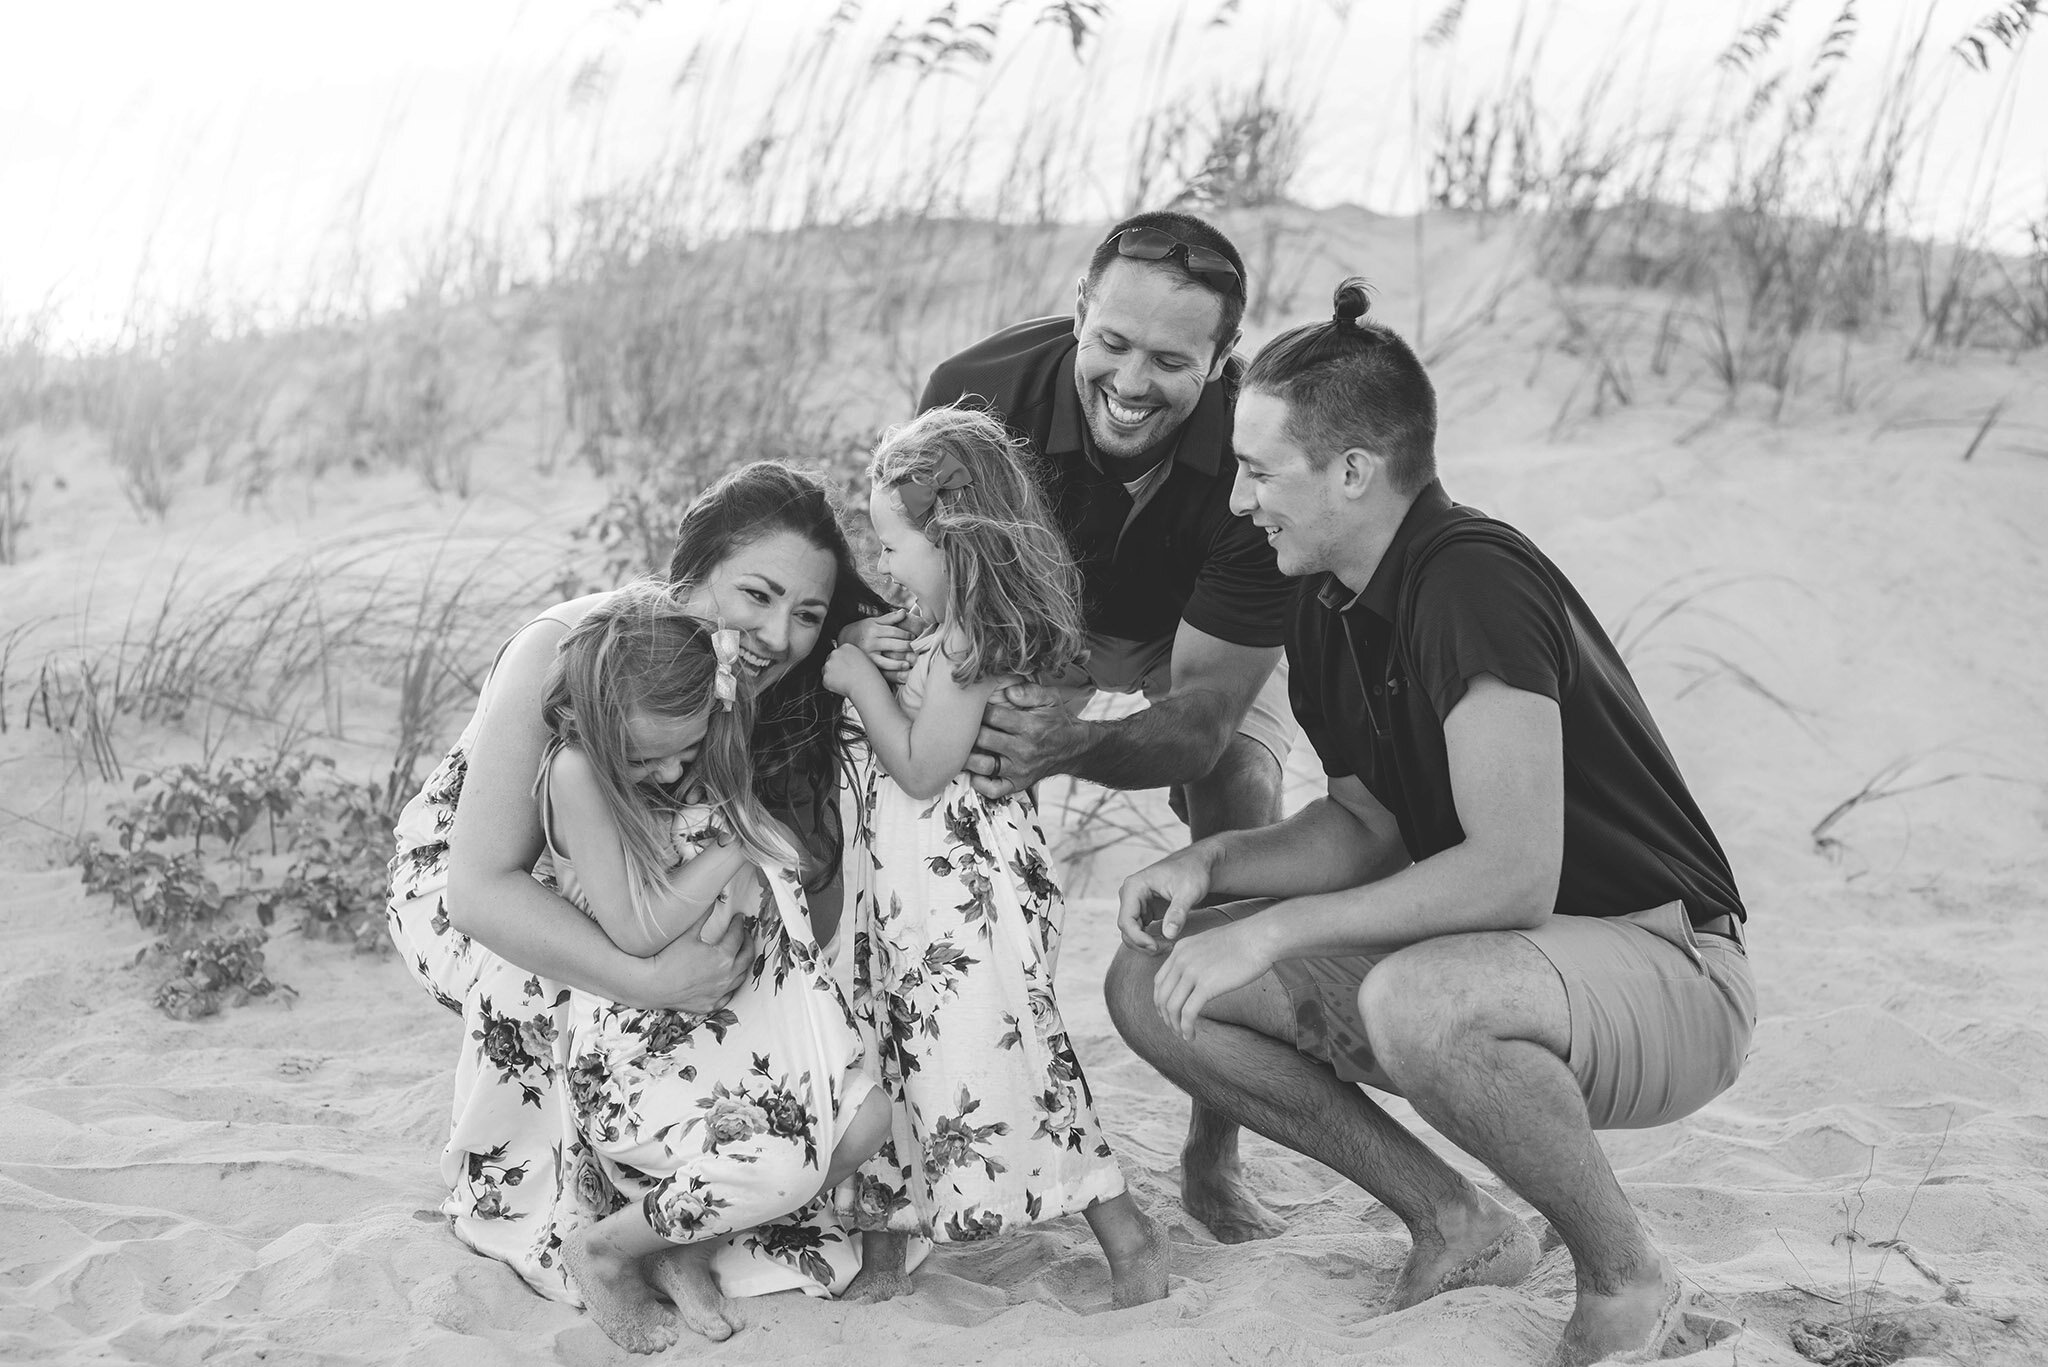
[704, 1125]
[956, 911]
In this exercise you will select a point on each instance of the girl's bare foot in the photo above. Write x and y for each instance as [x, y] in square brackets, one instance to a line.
[1137, 1248]
[684, 1275]
[616, 1293]
[881, 1276]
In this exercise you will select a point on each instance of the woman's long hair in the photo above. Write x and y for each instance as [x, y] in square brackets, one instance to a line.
[639, 652]
[801, 728]
[1013, 600]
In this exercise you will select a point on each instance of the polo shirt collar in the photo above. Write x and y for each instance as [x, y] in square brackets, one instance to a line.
[1377, 597]
[1204, 439]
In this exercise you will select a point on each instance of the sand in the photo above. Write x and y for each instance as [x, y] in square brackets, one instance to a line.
[260, 1186]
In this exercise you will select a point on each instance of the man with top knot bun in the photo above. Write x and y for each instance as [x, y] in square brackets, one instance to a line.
[1127, 405]
[1507, 908]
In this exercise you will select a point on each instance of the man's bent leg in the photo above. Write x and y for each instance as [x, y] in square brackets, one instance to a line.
[1475, 1031]
[1241, 792]
[1242, 1066]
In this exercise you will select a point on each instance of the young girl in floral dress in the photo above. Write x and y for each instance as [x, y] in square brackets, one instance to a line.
[956, 913]
[705, 1125]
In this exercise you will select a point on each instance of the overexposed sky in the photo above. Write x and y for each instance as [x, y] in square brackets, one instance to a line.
[241, 152]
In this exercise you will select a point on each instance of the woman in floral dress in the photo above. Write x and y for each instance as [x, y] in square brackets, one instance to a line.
[476, 920]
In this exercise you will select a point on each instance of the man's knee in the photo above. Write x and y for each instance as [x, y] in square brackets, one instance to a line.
[1432, 998]
[1127, 988]
[1242, 790]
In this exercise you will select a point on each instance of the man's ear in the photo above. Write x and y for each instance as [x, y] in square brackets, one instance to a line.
[1361, 469]
[1223, 357]
[1080, 304]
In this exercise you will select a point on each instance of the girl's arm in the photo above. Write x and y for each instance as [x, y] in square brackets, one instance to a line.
[492, 896]
[922, 756]
[584, 832]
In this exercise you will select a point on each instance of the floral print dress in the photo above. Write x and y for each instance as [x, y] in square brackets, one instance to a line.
[955, 927]
[520, 1173]
[720, 1122]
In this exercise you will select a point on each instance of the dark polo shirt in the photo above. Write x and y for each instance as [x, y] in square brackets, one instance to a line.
[1457, 595]
[1184, 556]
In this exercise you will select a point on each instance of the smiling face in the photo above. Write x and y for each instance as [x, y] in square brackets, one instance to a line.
[1300, 508]
[1147, 346]
[660, 750]
[907, 557]
[774, 591]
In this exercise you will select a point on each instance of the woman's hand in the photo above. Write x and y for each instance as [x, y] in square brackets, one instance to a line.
[885, 640]
[696, 975]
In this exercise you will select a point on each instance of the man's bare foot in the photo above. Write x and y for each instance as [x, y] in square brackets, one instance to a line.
[881, 1276]
[1138, 1271]
[685, 1277]
[1215, 1195]
[1485, 1246]
[616, 1293]
[1630, 1325]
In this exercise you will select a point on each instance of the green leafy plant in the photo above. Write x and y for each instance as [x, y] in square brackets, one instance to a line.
[220, 970]
[335, 833]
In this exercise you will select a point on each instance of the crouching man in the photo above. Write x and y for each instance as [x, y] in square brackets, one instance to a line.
[1507, 909]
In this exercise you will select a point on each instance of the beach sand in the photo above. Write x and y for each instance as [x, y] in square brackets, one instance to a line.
[260, 1186]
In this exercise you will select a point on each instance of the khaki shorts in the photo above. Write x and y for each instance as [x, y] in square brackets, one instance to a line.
[1661, 1015]
[1116, 665]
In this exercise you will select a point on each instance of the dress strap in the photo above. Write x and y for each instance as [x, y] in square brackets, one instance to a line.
[543, 795]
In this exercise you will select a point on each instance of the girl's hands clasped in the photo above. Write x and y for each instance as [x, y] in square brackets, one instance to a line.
[885, 640]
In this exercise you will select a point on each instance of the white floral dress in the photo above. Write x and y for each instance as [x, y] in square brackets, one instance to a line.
[520, 1174]
[955, 927]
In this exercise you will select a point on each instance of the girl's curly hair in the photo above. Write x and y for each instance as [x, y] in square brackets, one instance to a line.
[1014, 598]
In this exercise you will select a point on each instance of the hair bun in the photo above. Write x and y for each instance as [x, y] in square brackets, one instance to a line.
[1351, 301]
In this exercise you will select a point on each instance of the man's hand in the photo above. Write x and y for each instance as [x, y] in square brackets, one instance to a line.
[1027, 732]
[886, 641]
[1165, 893]
[1203, 967]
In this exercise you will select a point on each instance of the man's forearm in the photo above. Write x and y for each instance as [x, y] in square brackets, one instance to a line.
[1463, 889]
[1175, 740]
[1321, 848]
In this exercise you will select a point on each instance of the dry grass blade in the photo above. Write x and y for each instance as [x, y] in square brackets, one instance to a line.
[1885, 783]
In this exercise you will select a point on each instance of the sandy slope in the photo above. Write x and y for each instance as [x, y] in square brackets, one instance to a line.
[260, 1186]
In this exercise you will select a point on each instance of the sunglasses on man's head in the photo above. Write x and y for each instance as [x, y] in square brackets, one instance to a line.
[1211, 266]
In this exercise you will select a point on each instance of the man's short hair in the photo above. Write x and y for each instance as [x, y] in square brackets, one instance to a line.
[1352, 382]
[1195, 233]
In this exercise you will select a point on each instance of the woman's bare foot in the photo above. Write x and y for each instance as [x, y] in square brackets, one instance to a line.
[616, 1293]
[684, 1275]
[1630, 1325]
[1137, 1248]
[1483, 1246]
[881, 1276]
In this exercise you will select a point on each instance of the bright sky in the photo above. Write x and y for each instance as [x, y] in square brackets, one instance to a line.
[237, 150]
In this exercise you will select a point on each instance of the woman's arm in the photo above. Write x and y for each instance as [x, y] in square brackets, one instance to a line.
[585, 833]
[492, 896]
[922, 756]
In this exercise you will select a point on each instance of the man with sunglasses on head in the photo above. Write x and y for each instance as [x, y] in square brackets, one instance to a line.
[1129, 406]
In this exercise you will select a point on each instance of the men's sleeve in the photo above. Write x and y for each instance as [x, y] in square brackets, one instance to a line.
[942, 388]
[1483, 607]
[1240, 596]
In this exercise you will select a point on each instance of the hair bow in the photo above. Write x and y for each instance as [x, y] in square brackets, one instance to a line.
[919, 493]
[725, 644]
